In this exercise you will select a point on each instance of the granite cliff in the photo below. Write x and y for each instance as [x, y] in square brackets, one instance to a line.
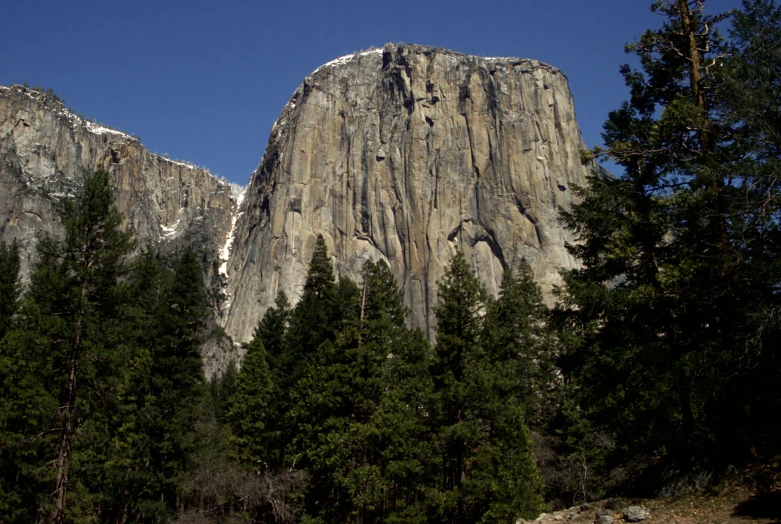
[406, 154]
[45, 151]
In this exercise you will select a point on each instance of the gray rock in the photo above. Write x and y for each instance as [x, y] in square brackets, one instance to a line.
[45, 152]
[606, 512]
[406, 154]
[635, 514]
[604, 519]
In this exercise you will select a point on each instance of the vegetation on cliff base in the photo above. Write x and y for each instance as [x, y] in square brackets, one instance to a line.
[672, 322]
[661, 358]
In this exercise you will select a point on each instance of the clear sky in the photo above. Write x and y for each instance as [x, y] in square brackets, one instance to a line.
[205, 81]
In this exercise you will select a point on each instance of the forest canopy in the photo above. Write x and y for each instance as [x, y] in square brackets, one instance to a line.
[660, 357]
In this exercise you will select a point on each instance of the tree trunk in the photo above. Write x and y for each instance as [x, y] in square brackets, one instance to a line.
[63, 460]
[695, 69]
[363, 309]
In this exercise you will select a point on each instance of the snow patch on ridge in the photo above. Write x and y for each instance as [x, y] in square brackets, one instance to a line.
[346, 59]
[60, 110]
[169, 232]
[176, 162]
[226, 248]
[100, 130]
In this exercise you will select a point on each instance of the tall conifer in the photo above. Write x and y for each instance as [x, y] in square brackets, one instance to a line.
[478, 414]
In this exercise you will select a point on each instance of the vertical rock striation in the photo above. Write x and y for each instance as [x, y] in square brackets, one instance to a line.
[406, 154]
[45, 152]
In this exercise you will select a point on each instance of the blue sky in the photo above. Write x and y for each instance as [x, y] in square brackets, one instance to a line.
[204, 81]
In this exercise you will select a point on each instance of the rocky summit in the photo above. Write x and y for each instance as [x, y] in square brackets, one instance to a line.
[45, 151]
[404, 154]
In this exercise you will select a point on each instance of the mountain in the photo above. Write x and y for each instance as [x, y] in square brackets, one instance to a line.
[45, 151]
[405, 154]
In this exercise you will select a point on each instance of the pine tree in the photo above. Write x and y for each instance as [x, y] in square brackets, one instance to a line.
[312, 320]
[748, 99]
[177, 381]
[88, 263]
[386, 441]
[321, 408]
[521, 343]
[161, 399]
[389, 442]
[272, 330]
[670, 287]
[62, 348]
[10, 286]
[359, 410]
[250, 406]
[481, 433]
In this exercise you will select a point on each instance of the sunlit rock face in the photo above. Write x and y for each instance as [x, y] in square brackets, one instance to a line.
[406, 154]
[45, 152]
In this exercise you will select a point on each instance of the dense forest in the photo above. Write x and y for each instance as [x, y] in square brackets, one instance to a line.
[660, 358]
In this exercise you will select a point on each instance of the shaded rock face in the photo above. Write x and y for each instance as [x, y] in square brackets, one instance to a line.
[407, 154]
[45, 152]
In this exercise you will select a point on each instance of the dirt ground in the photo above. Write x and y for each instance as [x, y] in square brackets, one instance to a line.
[751, 495]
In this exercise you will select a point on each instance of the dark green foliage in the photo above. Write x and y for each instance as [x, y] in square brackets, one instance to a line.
[748, 98]
[272, 333]
[102, 384]
[272, 330]
[361, 410]
[250, 405]
[10, 286]
[66, 329]
[334, 415]
[674, 307]
[521, 344]
[222, 390]
[165, 389]
[381, 438]
[313, 320]
[478, 408]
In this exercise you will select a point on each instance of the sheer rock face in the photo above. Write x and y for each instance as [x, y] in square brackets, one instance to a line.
[45, 152]
[403, 154]
[406, 154]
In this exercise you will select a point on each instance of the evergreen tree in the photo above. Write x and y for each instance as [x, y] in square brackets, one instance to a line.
[481, 434]
[386, 441]
[176, 376]
[674, 257]
[748, 99]
[521, 344]
[10, 286]
[272, 330]
[88, 263]
[312, 320]
[459, 373]
[321, 408]
[67, 327]
[359, 410]
[161, 399]
[250, 405]
[222, 390]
